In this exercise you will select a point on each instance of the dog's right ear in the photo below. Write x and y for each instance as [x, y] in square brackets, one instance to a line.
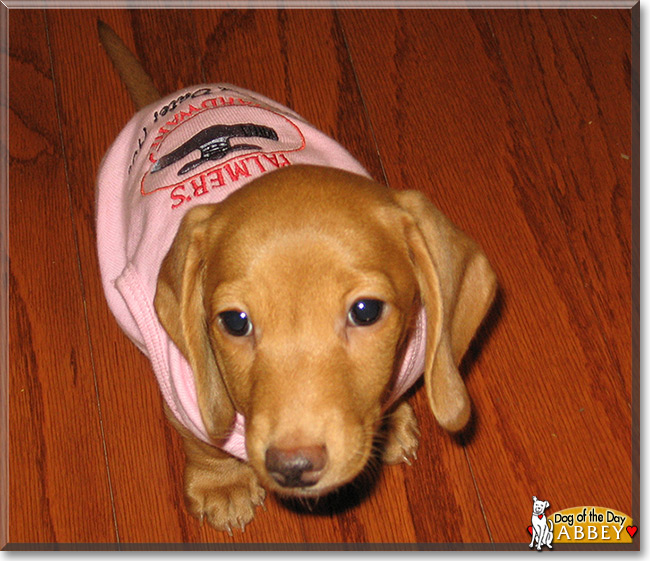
[180, 308]
[534, 498]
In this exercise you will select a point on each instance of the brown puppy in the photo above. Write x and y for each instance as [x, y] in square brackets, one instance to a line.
[305, 377]
[294, 300]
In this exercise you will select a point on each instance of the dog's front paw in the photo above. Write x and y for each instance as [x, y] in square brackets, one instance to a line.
[402, 436]
[226, 497]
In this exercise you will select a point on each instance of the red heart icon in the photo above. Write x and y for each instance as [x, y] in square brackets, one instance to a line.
[631, 530]
[540, 516]
[530, 530]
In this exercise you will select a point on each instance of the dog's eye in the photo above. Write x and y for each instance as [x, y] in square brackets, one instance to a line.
[236, 323]
[365, 312]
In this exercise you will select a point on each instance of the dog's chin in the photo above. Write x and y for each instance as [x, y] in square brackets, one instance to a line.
[313, 492]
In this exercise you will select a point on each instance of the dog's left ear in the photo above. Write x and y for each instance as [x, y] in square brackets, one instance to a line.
[457, 286]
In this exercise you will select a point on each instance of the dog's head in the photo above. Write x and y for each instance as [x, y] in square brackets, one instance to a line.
[539, 506]
[293, 301]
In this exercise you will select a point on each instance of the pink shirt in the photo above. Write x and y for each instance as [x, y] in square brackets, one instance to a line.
[195, 146]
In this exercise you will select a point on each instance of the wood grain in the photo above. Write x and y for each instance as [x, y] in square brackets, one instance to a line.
[59, 491]
[515, 122]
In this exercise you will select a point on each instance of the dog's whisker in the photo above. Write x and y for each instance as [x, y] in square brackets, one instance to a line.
[310, 503]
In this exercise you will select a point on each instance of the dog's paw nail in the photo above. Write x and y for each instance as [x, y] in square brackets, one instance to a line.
[242, 525]
[407, 460]
[229, 530]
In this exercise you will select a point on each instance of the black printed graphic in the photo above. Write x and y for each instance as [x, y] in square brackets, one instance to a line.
[214, 144]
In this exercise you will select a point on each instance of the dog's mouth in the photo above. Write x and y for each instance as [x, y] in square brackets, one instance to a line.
[307, 492]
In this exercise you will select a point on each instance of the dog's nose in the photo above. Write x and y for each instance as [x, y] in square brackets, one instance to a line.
[296, 467]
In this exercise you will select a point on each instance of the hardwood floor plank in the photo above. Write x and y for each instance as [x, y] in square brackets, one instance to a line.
[59, 489]
[577, 103]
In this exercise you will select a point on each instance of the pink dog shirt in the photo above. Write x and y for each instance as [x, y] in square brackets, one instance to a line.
[193, 147]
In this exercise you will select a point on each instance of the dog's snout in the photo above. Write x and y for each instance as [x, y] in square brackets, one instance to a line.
[296, 467]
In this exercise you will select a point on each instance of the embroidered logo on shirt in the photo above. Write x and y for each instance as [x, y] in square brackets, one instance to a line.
[214, 144]
[209, 142]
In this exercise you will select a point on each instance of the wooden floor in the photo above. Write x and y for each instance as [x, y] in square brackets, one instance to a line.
[517, 123]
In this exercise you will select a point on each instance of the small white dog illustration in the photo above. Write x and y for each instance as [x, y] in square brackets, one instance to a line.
[541, 531]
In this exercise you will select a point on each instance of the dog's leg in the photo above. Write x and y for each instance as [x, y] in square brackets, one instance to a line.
[535, 534]
[549, 537]
[218, 487]
[401, 436]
